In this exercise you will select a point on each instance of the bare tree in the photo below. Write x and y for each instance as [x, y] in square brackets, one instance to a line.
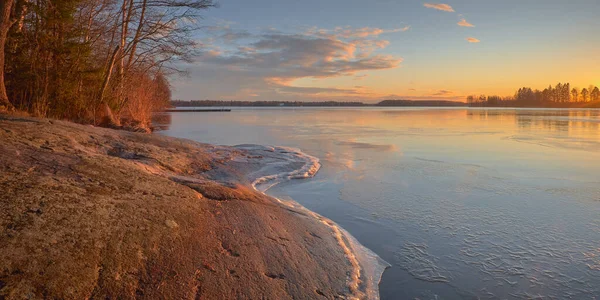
[6, 7]
[60, 58]
[154, 34]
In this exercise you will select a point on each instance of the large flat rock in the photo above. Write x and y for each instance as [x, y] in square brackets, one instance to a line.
[88, 212]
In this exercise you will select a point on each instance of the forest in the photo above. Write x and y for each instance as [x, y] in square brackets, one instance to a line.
[103, 62]
[561, 95]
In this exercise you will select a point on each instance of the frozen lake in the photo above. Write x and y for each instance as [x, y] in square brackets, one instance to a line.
[463, 203]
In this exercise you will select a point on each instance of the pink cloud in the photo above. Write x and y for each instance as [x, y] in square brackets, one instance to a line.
[271, 64]
[439, 6]
[473, 40]
[464, 23]
[350, 33]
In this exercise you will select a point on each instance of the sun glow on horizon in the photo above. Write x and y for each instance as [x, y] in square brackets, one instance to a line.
[429, 51]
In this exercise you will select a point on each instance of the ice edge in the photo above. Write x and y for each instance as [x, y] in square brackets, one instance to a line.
[367, 267]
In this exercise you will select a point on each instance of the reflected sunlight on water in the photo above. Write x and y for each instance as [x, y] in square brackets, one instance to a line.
[465, 203]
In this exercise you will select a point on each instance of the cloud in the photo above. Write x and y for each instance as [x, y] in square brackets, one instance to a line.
[361, 77]
[226, 33]
[451, 97]
[349, 32]
[464, 23]
[439, 6]
[271, 65]
[288, 89]
[443, 93]
[473, 40]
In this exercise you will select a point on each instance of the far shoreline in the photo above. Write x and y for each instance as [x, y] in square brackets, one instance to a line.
[222, 104]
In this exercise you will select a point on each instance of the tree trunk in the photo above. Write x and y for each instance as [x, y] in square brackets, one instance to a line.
[126, 17]
[22, 11]
[137, 34]
[5, 24]
[107, 111]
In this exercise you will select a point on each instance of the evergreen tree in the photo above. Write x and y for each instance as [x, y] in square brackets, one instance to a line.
[566, 92]
[575, 95]
[584, 95]
[595, 94]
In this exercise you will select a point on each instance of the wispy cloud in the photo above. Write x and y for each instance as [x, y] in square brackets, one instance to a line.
[350, 32]
[226, 33]
[473, 40]
[275, 64]
[443, 93]
[451, 97]
[439, 6]
[464, 23]
[361, 77]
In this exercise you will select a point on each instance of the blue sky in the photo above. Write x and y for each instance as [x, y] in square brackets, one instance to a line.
[372, 50]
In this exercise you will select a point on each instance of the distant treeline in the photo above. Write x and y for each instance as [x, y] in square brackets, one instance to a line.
[432, 103]
[93, 60]
[210, 103]
[221, 103]
[559, 96]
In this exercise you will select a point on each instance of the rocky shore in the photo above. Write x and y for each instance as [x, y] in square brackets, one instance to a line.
[88, 212]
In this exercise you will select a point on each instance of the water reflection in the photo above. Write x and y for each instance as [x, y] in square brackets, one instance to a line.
[548, 120]
[161, 121]
[465, 203]
[578, 121]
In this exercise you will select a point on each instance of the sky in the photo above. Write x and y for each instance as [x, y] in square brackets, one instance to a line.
[350, 50]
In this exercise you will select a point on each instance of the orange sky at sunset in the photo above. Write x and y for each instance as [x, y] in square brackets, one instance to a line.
[399, 50]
